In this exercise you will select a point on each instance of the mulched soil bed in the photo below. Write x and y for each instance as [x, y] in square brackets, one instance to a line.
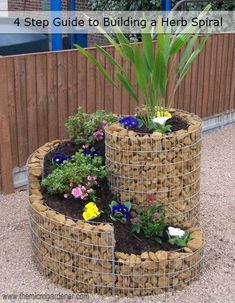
[126, 241]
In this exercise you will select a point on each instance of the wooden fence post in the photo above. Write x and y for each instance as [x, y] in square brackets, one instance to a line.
[5, 139]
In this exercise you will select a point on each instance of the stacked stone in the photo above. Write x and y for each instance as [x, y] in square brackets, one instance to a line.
[157, 169]
[155, 273]
[81, 256]
[74, 254]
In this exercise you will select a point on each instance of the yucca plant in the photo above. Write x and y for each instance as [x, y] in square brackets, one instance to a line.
[151, 63]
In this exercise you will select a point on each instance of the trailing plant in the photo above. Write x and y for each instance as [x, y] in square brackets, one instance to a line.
[177, 236]
[151, 222]
[86, 128]
[151, 66]
[76, 178]
[120, 211]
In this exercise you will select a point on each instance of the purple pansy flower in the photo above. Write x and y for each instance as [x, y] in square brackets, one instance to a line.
[59, 158]
[121, 209]
[91, 152]
[129, 122]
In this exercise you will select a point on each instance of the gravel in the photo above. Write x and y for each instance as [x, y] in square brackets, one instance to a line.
[19, 277]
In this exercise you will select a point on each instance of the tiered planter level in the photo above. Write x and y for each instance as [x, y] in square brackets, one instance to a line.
[82, 256]
[164, 166]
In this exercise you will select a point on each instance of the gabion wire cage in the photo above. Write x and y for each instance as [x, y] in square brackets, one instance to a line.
[157, 169]
[81, 256]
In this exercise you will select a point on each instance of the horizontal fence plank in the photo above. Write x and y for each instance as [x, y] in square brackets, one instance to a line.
[40, 91]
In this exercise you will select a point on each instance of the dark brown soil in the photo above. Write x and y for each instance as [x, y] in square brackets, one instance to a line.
[177, 123]
[126, 241]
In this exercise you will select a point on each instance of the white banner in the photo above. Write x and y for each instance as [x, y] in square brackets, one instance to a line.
[129, 22]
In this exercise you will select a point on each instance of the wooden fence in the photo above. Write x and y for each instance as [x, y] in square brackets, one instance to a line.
[39, 91]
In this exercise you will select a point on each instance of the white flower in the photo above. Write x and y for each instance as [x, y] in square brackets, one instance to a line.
[161, 120]
[176, 232]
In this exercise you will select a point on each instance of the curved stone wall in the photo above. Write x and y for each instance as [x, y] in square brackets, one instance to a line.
[162, 168]
[81, 256]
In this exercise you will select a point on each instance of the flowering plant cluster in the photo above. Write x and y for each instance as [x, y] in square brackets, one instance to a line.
[177, 236]
[86, 129]
[91, 211]
[59, 158]
[120, 211]
[76, 178]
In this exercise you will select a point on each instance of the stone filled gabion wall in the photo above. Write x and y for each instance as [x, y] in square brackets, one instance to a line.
[81, 256]
[157, 168]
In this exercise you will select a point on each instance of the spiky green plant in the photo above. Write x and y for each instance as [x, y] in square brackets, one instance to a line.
[151, 65]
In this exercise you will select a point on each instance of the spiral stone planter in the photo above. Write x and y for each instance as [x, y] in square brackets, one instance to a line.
[81, 256]
[162, 167]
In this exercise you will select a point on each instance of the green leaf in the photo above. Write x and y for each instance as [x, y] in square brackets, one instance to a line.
[113, 203]
[126, 49]
[191, 60]
[96, 63]
[140, 123]
[113, 218]
[148, 47]
[140, 69]
[110, 58]
[180, 40]
[187, 52]
[127, 84]
[135, 228]
[128, 205]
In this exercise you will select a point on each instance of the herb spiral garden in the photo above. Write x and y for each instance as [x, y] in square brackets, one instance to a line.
[114, 210]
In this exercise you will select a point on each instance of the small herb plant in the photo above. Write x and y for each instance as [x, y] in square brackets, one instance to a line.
[151, 222]
[86, 128]
[76, 178]
[177, 236]
[120, 211]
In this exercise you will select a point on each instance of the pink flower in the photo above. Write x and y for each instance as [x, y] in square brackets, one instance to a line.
[90, 191]
[65, 196]
[99, 135]
[77, 192]
[104, 123]
[85, 146]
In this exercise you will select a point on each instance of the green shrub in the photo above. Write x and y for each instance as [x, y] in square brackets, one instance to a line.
[86, 128]
[77, 178]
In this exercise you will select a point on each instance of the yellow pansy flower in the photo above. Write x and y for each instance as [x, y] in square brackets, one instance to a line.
[91, 211]
[163, 114]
